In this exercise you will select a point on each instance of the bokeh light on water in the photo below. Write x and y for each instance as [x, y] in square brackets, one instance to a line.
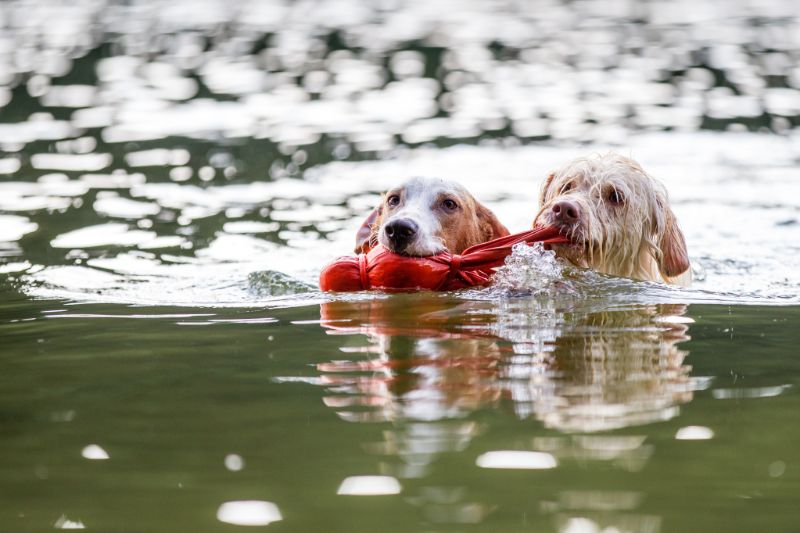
[142, 138]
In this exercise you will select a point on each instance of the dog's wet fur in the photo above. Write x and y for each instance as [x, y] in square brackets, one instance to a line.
[618, 220]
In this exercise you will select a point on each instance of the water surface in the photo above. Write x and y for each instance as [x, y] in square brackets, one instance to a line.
[174, 176]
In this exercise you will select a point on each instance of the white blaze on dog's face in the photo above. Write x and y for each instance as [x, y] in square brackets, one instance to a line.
[426, 216]
[618, 219]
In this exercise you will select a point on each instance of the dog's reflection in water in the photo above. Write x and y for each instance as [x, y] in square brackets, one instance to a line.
[435, 358]
[420, 365]
[594, 370]
[432, 361]
[418, 372]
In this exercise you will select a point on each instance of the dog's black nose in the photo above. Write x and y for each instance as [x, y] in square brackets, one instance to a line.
[401, 232]
[566, 212]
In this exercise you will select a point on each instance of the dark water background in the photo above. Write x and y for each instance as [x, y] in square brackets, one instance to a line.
[174, 174]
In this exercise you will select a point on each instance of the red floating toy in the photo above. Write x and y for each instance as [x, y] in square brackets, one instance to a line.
[382, 269]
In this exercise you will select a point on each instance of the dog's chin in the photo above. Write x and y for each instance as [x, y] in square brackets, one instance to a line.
[577, 251]
[412, 249]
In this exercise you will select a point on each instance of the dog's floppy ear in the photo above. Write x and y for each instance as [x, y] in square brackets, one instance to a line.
[489, 223]
[545, 186]
[674, 257]
[368, 227]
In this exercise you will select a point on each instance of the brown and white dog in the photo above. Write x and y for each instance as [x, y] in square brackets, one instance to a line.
[618, 219]
[427, 216]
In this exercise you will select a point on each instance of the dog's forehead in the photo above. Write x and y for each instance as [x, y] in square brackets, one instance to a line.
[430, 188]
[604, 169]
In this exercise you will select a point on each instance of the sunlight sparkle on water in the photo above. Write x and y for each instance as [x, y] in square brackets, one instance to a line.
[280, 215]
[694, 433]
[13, 227]
[95, 453]
[249, 513]
[516, 460]
[102, 235]
[234, 462]
[369, 486]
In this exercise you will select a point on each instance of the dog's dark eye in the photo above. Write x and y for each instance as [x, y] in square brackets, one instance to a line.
[393, 200]
[615, 197]
[449, 204]
[568, 187]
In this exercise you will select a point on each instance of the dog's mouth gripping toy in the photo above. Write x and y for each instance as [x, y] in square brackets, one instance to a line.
[384, 270]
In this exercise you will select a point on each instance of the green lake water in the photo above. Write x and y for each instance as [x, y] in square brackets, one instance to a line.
[168, 395]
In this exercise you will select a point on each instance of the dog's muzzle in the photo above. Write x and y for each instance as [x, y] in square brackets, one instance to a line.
[565, 213]
[400, 233]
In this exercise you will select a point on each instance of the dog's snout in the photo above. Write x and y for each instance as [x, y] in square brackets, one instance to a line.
[566, 212]
[401, 231]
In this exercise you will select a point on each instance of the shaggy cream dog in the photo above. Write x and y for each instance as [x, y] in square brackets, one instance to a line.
[618, 219]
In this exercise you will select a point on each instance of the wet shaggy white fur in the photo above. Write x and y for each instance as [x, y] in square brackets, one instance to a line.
[619, 222]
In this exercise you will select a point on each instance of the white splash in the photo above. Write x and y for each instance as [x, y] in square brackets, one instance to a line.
[529, 268]
[65, 523]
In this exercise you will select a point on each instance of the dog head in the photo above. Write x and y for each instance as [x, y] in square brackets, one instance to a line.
[617, 217]
[427, 216]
